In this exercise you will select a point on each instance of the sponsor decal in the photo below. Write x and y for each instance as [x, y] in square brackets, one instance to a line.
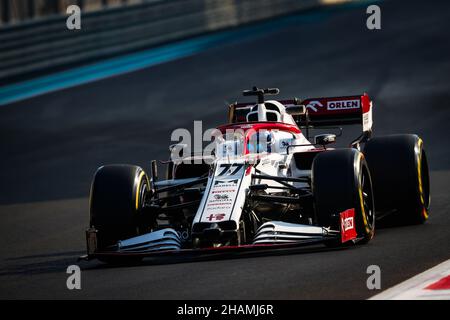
[223, 192]
[348, 230]
[221, 197]
[343, 104]
[227, 183]
[313, 105]
[367, 120]
[347, 224]
[284, 143]
[216, 216]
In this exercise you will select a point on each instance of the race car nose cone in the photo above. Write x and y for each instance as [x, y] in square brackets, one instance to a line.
[213, 233]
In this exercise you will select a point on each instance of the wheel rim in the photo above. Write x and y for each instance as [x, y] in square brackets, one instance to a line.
[142, 193]
[367, 198]
[425, 181]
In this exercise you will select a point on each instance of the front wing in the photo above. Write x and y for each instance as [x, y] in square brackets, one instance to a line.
[273, 235]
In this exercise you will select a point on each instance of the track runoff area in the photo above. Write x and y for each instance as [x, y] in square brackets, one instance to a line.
[433, 284]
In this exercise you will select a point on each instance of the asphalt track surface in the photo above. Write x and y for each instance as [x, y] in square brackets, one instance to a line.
[52, 144]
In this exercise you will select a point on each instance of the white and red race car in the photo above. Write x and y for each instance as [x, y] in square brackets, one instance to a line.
[267, 184]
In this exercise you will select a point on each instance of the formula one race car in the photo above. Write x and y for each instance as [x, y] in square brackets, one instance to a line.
[265, 184]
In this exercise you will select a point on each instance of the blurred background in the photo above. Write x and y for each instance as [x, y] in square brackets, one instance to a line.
[16, 11]
[34, 38]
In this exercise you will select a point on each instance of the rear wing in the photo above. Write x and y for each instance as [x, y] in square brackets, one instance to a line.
[337, 111]
[237, 112]
[320, 112]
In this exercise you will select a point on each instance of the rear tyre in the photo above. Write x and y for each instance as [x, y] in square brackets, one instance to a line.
[399, 168]
[341, 181]
[116, 203]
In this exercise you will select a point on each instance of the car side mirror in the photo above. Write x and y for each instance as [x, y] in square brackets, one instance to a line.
[296, 110]
[324, 139]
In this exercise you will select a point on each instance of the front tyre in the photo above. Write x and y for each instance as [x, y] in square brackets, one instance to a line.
[116, 203]
[340, 181]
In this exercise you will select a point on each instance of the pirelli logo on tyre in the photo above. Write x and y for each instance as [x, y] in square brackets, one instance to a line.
[343, 104]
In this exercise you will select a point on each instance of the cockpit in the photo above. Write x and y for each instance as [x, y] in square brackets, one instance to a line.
[265, 110]
[271, 112]
[264, 127]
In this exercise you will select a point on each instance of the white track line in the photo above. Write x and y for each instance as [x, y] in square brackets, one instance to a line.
[414, 288]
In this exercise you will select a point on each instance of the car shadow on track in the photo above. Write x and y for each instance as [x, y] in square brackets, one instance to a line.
[58, 262]
[194, 257]
[38, 264]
